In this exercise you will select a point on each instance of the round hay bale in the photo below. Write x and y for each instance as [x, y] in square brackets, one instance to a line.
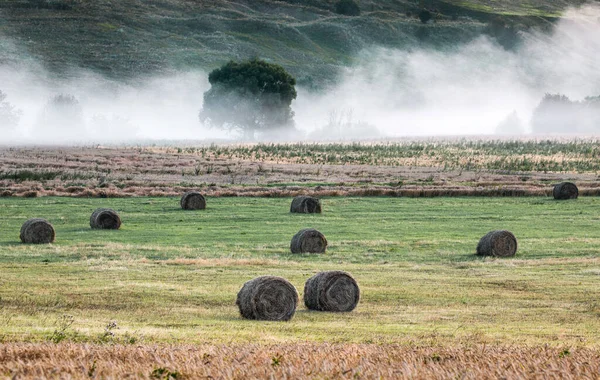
[306, 205]
[497, 243]
[308, 240]
[106, 219]
[267, 298]
[565, 190]
[192, 200]
[331, 291]
[37, 231]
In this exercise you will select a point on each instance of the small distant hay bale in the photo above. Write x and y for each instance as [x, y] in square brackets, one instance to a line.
[193, 200]
[331, 291]
[306, 205]
[499, 243]
[267, 298]
[308, 240]
[37, 231]
[565, 190]
[105, 219]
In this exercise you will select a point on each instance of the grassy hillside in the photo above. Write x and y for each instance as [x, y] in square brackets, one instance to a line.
[133, 37]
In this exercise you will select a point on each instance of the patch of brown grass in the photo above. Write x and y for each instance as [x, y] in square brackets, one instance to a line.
[220, 262]
[294, 361]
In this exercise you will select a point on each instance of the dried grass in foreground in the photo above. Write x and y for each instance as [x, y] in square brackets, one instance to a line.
[293, 361]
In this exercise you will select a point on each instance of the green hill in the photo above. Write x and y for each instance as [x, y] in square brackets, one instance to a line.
[124, 38]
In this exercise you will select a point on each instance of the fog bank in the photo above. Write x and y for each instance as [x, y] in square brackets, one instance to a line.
[477, 88]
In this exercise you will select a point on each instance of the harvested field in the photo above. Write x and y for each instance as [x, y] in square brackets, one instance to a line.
[404, 168]
[158, 298]
[350, 361]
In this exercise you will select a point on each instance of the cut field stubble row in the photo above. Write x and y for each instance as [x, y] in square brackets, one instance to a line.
[417, 169]
[287, 361]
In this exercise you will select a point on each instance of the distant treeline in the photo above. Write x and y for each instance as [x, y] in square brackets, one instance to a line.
[558, 114]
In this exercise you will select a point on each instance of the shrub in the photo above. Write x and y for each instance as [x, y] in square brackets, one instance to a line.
[9, 116]
[347, 8]
[62, 117]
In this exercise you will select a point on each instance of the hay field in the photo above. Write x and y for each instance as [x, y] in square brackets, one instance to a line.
[413, 168]
[159, 294]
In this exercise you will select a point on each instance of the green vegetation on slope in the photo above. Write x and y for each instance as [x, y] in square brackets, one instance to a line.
[172, 276]
[129, 37]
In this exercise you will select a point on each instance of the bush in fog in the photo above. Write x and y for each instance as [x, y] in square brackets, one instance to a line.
[342, 126]
[63, 109]
[249, 96]
[511, 125]
[62, 117]
[9, 116]
[556, 113]
[347, 8]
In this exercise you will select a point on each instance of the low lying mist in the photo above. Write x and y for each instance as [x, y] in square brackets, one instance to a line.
[474, 89]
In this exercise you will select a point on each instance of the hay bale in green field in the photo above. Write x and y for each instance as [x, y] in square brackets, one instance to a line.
[106, 219]
[306, 205]
[37, 231]
[499, 243]
[565, 190]
[268, 298]
[308, 240]
[193, 200]
[331, 291]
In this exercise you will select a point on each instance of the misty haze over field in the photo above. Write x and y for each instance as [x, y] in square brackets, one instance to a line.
[478, 88]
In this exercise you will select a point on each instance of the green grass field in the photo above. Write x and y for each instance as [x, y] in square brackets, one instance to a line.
[171, 276]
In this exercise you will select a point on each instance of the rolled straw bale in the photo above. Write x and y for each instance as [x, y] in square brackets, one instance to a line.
[565, 190]
[193, 200]
[500, 243]
[331, 291]
[267, 298]
[37, 231]
[306, 205]
[308, 240]
[106, 219]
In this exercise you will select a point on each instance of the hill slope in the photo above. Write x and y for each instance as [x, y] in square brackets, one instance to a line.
[133, 37]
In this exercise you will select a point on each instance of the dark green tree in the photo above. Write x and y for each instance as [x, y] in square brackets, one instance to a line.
[249, 96]
[347, 8]
[425, 16]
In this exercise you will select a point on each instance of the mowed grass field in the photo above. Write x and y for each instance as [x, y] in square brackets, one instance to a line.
[171, 276]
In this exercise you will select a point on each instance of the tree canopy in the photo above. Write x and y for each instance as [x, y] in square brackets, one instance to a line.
[249, 96]
[347, 8]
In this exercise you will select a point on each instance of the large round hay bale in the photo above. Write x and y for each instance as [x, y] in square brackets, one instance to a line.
[565, 190]
[497, 243]
[106, 219]
[37, 231]
[331, 291]
[192, 200]
[306, 205]
[308, 240]
[267, 298]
